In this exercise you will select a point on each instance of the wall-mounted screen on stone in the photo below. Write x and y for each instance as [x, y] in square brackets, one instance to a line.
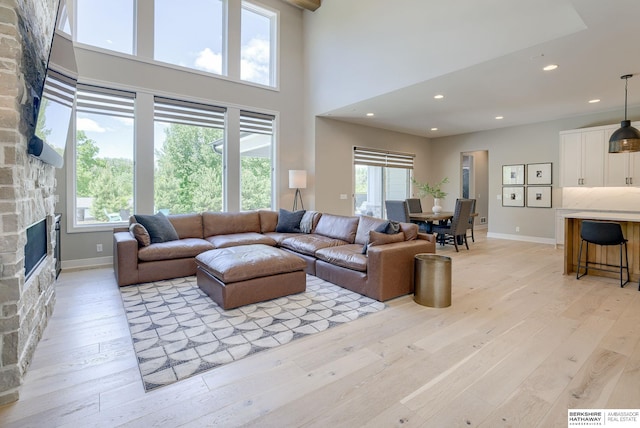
[54, 118]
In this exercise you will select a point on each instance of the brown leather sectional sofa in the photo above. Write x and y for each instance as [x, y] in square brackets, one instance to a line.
[332, 251]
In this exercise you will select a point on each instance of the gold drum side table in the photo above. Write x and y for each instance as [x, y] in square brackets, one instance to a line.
[432, 280]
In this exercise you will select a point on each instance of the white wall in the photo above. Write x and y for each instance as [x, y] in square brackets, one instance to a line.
[520, 145]
[334, 159]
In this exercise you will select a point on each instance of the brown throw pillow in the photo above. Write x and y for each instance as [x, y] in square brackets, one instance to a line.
[140, 233]
[378, 238]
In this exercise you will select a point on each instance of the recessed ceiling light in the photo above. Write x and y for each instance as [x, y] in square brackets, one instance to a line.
[499, 117]
[370, 114]
[438, 97]
[596, 100]
[550, 67]
[434, 129]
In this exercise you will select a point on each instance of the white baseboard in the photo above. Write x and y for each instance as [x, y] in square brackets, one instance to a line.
[536, 239]
[87, 263]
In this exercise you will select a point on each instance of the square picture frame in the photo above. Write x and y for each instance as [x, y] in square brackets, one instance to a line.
[513, 196]
[512, 174]
[539, 197]
[539, 173]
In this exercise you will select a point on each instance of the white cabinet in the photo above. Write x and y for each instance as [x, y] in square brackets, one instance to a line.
[582, 158]
[621, 169]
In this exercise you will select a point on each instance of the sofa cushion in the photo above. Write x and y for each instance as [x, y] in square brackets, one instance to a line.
[379, 238]
[140, 233]
[236, 239]
[279, 237]
[223, 223]
[367, 224]
[268, 220]
[187, 225]
[382, 228]
[159, 227]
[348, 256]
[338, 227]
[309, 243]
[288, 221]
[178, 249]
[410, 231]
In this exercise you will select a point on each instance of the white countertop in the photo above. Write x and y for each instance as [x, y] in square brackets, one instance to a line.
[604, 215]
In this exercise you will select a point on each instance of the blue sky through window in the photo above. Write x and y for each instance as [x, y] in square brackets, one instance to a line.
[189, 36]
[106, 24]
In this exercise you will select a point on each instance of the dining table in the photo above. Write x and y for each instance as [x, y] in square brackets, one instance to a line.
[429, 217]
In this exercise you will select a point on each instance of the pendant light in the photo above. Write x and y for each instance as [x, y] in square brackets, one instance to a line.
[626, 138]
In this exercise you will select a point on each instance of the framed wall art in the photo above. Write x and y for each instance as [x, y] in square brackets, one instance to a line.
[539, 196]
[512, 174]
[539, 173]
[513, 196]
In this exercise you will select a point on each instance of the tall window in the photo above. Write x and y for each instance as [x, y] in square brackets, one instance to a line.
[107, 24]
[256, 160]
[190, 35]
[258, 44]
[189, 142]
[380, 175]
[103, 155]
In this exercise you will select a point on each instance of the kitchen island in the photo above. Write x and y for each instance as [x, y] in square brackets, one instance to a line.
[630, 223]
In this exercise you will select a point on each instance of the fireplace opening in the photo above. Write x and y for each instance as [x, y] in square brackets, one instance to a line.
[36, 249]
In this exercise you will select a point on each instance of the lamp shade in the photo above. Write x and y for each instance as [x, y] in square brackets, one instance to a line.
[297, 179]
[625, 139]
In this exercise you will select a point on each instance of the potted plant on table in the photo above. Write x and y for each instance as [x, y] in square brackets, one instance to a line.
[432, 190]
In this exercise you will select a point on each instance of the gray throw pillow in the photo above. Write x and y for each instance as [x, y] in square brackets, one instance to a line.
[159, 227]
[289, 222]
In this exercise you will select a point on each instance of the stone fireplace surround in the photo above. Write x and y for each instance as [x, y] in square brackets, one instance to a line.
[27, 190]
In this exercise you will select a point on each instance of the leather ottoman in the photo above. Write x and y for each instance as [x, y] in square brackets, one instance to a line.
[245, 274]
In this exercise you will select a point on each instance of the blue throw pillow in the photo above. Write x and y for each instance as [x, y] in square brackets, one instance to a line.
[159, 227]
[289, 222]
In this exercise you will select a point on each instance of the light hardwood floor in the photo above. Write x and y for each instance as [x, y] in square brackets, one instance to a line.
[520, 345]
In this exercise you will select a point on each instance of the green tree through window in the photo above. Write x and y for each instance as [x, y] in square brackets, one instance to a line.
[188, 174]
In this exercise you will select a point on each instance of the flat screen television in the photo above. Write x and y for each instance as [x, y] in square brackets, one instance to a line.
[53, 94]
[53, 122]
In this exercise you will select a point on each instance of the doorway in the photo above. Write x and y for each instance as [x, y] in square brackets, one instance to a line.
[474, 182]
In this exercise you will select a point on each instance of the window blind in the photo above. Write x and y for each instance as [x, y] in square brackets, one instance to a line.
[384, 158]
[60, 88]
[256, 123]
[188, 113]
[98, 100]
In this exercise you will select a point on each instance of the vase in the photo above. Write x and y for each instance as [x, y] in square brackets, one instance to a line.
[436, 206]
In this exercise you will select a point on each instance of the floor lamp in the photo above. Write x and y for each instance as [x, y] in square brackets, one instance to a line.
[297, 180]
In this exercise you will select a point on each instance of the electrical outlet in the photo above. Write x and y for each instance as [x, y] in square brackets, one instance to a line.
[483, 220]
[99, 248]
[517, 228]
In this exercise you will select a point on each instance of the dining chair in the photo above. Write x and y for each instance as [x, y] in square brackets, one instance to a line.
[602, 233]
[458, 225]
[415, 206]
[397, 211]
[472, 220]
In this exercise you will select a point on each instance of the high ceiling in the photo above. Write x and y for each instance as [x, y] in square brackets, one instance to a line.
[487, 62]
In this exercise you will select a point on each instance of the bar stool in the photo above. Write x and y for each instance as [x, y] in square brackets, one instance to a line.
[602, 233]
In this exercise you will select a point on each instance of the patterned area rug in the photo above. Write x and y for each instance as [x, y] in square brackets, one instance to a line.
[178, 331]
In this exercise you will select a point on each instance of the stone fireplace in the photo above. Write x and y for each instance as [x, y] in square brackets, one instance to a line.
[27, 189]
